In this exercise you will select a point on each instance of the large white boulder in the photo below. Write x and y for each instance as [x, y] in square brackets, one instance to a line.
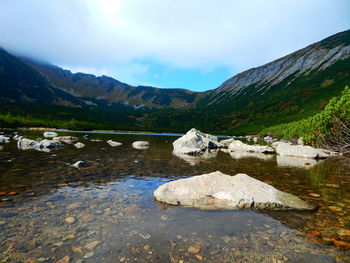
[220, 191]
[287, 149]
[4, 139]
[50, 134]
[237, 145]
[48, 144]
[197, 141]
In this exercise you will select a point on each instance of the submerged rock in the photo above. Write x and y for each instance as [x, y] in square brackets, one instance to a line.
[195, 142]
[240, 146]
[287, 149]
[288, 161]
[220, 191]
[50, 134]
[140, 145]
[113, 143]
[241, 155]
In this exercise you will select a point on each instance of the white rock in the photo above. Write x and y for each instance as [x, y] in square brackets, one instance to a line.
[240, 146]
[66, 139]
[269, 139]
[4, 139]
[226, 143]
[255, 139]
[287, 149]
[196, 140]
[220, 191]
[79, 164]
[25, 144]
[140, 145]
[48, 144]
[50, 134]
[288, 161]
[113, 143]
[79, 145]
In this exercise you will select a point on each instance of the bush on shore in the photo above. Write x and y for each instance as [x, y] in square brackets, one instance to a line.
[330, 128]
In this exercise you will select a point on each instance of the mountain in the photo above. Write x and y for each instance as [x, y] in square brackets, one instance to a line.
[19, 82]
[288, 89]
[105, 91]
[307, 61]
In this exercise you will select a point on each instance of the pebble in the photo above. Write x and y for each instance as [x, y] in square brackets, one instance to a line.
[70, 220]
[65, 259]
[314, 194]
[92, 245]
[194, 249]
[88, 255]
[226, 239]
[146, 247]
[343, 232]
[199, 257]
[77, 250]
[164, 217]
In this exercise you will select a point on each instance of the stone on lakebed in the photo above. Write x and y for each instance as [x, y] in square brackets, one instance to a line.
[220, 191]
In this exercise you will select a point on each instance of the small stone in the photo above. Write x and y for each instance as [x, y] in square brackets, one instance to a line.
[145, 236]
[30, 260]
[71, 236]
[335, 208]
[343, 232]
[226, 239]
[199, 257]
[65, 259]
[70, 220]
[88, 255]
[146, 247]
[194, 249]
[87, 218]
[10, 245]
[122, 259]
[333, 185]
[77, 250]
[92, 245]
[164, 217]
[314, 194]
[74, 205]
[131, 208]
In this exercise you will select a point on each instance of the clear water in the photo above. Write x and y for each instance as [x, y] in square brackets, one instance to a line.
[117, 220]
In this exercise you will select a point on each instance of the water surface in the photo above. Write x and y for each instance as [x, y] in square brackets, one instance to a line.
[105, 212]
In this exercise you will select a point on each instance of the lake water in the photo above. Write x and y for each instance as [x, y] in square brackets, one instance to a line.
[105, 212]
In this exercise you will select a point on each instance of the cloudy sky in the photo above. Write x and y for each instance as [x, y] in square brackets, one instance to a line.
[192, 44]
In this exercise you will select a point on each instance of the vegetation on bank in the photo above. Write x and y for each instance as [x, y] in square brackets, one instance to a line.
[330, 127]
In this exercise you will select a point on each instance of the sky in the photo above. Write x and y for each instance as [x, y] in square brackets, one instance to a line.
[190, 44]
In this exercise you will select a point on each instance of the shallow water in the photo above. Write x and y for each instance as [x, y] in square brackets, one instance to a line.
[105, 212]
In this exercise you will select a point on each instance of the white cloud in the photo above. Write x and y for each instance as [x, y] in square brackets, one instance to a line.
[197, 34]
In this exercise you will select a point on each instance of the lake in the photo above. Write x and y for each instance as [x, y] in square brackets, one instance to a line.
[105, 212]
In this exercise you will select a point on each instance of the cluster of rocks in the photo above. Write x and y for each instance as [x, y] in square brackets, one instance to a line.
[196, 143]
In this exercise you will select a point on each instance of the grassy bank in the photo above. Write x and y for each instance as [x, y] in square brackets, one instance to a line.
[330, 127]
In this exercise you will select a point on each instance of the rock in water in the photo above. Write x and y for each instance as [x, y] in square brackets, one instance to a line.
[140, 145]
[220, 191]
[79, 164]
[113, 143]
[195, 142]
[50, 134]
[240, 146]
[66, 139]
[287, 149]
[79, 145]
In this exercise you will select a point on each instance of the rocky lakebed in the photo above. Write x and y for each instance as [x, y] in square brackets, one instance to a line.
[116, 197]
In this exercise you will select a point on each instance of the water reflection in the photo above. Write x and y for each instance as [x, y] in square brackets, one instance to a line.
[296, 161]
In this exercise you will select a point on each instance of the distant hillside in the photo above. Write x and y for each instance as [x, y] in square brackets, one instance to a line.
[20, 83]
[104, 91]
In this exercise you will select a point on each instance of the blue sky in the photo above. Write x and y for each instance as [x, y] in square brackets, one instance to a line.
[194, 44]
